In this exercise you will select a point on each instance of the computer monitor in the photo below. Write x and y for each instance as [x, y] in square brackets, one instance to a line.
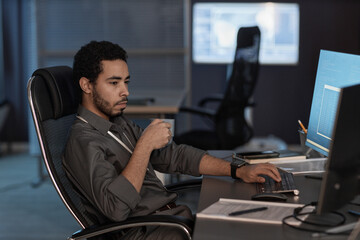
[215, 27]
[335, 71]
[340, 182]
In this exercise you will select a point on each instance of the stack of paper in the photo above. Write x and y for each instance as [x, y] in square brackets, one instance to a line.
[284, 155]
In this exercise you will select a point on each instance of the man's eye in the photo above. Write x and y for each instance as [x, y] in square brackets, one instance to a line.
[127, 82]
[113, 83]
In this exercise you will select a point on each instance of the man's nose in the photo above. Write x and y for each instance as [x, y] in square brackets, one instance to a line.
[124, 91]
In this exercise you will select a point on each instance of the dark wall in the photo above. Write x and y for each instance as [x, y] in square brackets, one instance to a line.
[284, 93]
[15, 128]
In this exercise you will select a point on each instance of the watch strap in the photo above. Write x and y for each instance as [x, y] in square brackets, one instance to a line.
[233, 172]
[234, 166]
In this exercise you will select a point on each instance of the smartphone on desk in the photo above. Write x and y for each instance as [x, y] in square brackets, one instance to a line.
[258, 155]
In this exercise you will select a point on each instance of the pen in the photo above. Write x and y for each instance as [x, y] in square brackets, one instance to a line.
[247, 211]
[302, 127]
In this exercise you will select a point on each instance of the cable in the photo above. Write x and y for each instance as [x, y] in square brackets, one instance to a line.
[298, 212]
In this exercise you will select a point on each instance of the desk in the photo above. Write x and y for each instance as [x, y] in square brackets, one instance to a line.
[165, 103]
[225, 187]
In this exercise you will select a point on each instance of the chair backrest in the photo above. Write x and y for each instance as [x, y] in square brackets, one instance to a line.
[4, 113]
[53, 101]
[231, 125]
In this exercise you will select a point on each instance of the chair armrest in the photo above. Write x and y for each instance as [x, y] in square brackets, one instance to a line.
[198, 110]
[164, 220]
[183, 185]
[217, 97]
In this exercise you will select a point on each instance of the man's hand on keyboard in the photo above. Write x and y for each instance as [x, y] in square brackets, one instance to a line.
[251, 173]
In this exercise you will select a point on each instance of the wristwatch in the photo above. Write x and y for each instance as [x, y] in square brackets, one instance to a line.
[235, 164]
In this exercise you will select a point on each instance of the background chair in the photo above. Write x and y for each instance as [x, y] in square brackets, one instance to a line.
[4, 116]
[53, 101]
[230, 128]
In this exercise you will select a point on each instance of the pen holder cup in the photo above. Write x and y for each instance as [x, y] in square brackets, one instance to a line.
[304, 149]
[302, 135]
[307, 151]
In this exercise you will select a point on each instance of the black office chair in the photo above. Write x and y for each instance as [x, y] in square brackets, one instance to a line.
[53, 102]
[230, 128]
[5, 108]
[4, 112]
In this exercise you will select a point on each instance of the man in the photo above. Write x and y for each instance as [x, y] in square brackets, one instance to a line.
[111, 161]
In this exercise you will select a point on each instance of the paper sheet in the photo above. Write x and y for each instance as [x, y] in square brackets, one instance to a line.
[273, 215]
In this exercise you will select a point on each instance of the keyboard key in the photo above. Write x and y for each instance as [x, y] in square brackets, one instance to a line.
[287, 184]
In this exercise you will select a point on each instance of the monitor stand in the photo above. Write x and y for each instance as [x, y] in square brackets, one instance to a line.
[325, 219]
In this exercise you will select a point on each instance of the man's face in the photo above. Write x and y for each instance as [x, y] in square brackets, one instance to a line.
[110, 91]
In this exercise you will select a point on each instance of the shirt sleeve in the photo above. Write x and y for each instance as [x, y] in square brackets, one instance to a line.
[175, 158]
[86, 161]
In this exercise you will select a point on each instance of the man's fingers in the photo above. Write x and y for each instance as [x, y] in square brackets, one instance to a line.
[260, 179]
[155, 121]
[252, 173]
[271, 171]
[276, 173]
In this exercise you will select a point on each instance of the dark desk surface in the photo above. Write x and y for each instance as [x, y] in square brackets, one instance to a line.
[214, 188]
[164, 102]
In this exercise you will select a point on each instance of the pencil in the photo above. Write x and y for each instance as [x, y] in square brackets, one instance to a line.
[302, 127]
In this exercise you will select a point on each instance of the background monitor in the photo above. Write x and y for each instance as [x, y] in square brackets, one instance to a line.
[215, 27]
[335, 71]
[340, 182]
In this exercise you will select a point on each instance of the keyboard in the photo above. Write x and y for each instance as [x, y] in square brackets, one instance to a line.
[287, 184]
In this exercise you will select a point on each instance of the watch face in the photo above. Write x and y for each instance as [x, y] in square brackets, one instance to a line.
[237, 163]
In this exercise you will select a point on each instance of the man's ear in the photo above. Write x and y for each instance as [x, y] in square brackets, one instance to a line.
[85, 85]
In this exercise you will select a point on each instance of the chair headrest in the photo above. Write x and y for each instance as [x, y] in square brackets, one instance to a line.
[246, 36]
[60, 89]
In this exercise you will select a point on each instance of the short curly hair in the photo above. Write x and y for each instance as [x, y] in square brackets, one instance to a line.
[87, 61]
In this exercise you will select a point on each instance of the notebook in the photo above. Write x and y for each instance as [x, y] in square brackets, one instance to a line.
[283, 156]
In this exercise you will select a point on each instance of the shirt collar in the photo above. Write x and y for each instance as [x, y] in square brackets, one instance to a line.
[99, 123]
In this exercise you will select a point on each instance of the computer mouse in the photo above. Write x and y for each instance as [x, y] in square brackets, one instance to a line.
[267, 196]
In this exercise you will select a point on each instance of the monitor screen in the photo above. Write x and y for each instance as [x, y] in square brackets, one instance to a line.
[335, 71]
[215, 27]
[341, 179]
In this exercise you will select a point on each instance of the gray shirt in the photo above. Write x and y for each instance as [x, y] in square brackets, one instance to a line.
[93, 160]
